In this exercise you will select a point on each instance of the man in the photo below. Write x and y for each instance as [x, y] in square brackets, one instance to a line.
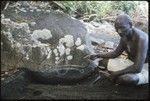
[135, 43]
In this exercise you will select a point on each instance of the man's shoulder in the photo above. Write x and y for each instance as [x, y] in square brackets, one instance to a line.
[140, 32]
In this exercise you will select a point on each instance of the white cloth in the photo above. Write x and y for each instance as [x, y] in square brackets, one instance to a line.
[120, 64]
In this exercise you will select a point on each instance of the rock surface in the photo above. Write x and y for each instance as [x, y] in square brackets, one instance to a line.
[33, 44]
[39, 38]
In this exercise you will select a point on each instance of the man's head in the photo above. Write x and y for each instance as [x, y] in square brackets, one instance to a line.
[123, 25]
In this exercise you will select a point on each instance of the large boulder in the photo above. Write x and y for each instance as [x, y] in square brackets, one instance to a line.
[34, 37]
[37, 37]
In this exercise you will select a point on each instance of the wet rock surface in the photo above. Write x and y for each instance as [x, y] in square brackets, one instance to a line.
[33, 37]
[36, 38]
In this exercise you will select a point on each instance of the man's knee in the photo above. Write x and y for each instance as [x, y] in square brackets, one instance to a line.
[126, 79]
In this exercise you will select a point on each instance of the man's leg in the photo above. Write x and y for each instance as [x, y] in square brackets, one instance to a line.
[135, 79]
[128, 79]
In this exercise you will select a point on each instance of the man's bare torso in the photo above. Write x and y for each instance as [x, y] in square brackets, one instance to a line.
[131, 46]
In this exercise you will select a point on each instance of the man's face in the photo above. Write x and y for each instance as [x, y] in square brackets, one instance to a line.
[122, 29]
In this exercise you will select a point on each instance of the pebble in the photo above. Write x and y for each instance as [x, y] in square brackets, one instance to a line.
[1, 43]
[2, 16]
[6, 73]
[32, 23]
[23, 10]
[116, 84]
[48, 11]
[116, 91]
[31, 10]
[38, 10]
[2, 78]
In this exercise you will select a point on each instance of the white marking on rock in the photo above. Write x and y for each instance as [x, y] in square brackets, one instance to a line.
[68, 40]
[49, 53]
[6, 21]
[32, 23]
[25, 26]
[18, 44]
[27, 57]
[67, 51]
[55, 52]
[81, 47]
[43, 34]
[56, 58]
[69, 57]
[78, 42]
[61, 49]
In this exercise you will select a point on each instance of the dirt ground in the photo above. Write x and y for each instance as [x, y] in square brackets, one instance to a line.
[16, 87]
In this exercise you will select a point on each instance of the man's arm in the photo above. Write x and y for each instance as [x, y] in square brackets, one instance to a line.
[140, 58]
[120, 48]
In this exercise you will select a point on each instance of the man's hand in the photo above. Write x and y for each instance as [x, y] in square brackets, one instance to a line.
[113, 76]
[92, 57]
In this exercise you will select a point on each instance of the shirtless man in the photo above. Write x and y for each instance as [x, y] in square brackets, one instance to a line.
[135, 43]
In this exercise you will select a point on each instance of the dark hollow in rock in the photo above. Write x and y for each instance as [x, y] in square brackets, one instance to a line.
[67, 75]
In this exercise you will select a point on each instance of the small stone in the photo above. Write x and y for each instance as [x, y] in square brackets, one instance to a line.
[102, 67]
[2, 16]
[116, 84]
[6, 73]
[38, 10]
[2, 78]
[1, 43]
[116, 91]
[32, 23]
[31, 10]
[16, 11]
[23, 10]
[17, 70]
[56, 62]
[56, 58]
[18, 44]
[48, 11]
[81, 47]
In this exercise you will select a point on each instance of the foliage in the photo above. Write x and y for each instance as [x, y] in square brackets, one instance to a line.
[100, 8]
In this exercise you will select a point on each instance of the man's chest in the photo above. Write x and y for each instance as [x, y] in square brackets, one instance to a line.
[131, 46]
